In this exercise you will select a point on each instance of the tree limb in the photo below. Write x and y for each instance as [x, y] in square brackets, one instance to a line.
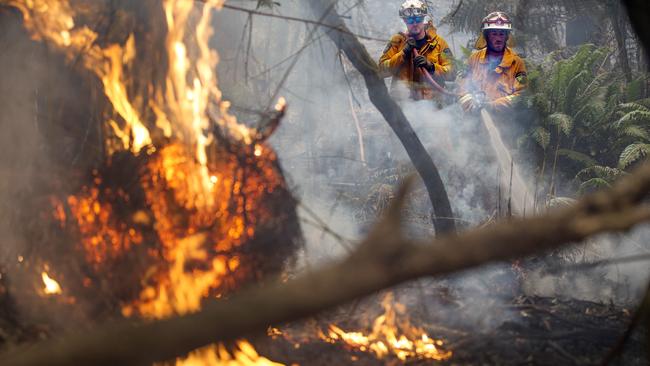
[384, 259]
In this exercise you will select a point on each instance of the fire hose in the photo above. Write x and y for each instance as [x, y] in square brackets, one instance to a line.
[427, 76]
[479, 97]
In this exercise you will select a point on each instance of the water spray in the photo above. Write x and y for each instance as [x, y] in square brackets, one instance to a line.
[519, 200]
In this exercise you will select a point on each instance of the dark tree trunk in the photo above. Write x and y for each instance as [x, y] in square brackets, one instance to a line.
[619, 33]
[639, 13]
[379, 96]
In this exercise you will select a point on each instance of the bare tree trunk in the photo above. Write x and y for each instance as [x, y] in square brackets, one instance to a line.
[443, 221]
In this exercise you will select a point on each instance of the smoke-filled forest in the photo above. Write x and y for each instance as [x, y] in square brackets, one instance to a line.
[324, 182]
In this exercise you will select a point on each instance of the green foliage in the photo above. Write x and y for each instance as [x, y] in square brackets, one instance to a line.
[541, 136]
[593, 184]
[596, 177]
[588, 116]
[563, 122]
[599, 171]
[632, 154]
[579, 157]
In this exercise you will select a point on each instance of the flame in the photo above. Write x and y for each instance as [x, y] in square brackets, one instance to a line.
[178, 177]
[390, 336]
[51, 286]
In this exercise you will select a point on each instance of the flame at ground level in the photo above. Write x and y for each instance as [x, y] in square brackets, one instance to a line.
[391, 336]
[51, 286]
[243, 354]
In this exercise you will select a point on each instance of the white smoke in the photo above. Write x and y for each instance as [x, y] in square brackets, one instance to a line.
[317, 143]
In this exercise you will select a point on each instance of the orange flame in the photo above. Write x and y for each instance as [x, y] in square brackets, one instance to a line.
[390, 336]
[51, 286]
[178, 177]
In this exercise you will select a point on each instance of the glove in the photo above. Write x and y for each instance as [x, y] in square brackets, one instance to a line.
[469, 103]
[409, 47]
[421, 61]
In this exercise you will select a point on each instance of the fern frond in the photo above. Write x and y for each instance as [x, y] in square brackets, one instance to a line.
[634, 117]
[632, 154]
[578, 157]
[636, 132]
[541, 136]
[633, 106]
[599, 171]
[592, 185]
[562, 121]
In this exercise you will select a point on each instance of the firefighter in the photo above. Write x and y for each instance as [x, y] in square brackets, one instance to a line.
[399, 59]
[496, 75]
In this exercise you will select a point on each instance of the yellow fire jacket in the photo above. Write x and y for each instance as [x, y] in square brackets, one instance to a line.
[393, 62]
[502, 84]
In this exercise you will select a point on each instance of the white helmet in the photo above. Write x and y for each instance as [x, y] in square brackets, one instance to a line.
[497, 20]
[413, 8]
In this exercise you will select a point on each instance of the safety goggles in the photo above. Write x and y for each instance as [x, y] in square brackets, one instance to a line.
[414, 20]
[412, 12]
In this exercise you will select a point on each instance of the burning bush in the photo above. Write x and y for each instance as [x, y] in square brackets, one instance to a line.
[162, 199]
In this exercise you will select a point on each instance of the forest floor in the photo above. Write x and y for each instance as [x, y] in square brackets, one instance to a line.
[549, 331]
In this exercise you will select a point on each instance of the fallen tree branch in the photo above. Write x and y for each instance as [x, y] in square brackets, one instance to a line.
[384, 259]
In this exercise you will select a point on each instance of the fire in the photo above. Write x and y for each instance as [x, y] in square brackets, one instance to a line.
[51, 286]
[196, 208]
[391, 336]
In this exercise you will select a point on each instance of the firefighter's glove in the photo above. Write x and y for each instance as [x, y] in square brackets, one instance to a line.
[469, 103]
[409, 47]
[421, 61]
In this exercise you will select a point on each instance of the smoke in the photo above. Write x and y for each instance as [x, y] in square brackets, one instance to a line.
[35, 89]
[318, 149]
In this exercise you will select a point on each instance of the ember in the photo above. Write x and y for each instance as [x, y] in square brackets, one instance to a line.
[51, 286]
